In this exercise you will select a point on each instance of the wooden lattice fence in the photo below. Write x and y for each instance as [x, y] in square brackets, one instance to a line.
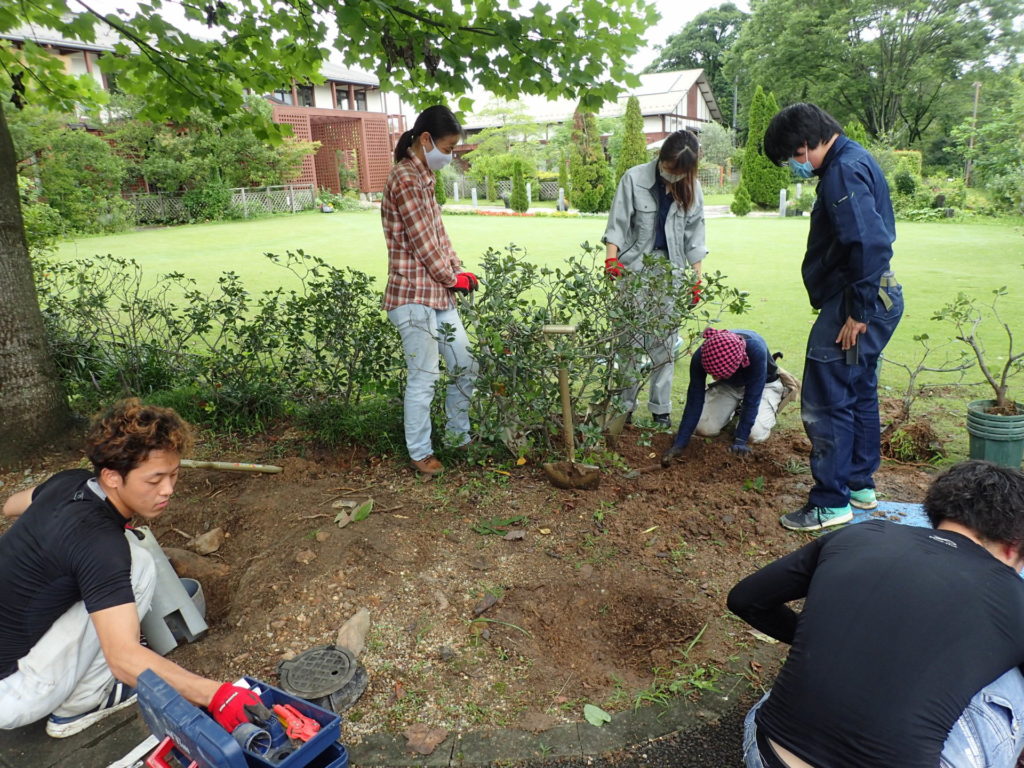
[280, 199]
[165, 208]
[158, 209]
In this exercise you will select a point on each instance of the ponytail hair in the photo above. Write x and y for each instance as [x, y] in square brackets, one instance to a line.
[681, 152]
[438, 121]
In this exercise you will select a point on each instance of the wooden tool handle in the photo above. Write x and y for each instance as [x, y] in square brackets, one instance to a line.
[567, 427]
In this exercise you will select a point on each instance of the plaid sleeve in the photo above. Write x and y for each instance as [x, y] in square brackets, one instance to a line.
[423, 239]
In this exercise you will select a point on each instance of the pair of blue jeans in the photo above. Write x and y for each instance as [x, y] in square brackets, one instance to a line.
[989, 733]
[839, 400]
[427, 334]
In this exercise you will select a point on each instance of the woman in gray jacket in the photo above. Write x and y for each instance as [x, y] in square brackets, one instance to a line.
[658, 211]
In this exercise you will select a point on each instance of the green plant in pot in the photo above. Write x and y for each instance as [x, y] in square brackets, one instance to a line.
[996, 426]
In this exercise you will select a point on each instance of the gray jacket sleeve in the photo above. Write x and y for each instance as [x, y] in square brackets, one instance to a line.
[619, 217]
[694, 231]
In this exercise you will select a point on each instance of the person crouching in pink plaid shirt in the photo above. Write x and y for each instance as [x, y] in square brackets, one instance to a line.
[423, 275]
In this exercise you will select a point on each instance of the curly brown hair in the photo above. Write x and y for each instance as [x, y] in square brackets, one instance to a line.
[122, 437]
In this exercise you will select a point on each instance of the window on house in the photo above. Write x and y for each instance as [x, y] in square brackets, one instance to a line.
[305, 95]
[361, 101]
[283, 95]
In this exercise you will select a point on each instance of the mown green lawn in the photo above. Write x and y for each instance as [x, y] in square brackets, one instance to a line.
[934, 261]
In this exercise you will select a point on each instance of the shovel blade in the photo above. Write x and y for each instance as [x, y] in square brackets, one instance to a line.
[567, 474]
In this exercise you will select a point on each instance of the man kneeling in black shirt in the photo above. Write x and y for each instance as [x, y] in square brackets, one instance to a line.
[907, 653]
[74, 583]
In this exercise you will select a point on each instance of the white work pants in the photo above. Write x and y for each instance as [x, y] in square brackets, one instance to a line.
[65, 673]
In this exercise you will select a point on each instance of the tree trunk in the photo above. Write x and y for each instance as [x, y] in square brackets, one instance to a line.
[33, 409]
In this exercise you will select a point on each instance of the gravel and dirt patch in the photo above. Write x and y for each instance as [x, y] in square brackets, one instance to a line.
[606, 597]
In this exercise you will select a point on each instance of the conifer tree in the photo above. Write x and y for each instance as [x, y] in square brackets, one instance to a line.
[589, 172]
[856, 131]
[519, 202]
[762, 178]
[740, 202]
[634, 142]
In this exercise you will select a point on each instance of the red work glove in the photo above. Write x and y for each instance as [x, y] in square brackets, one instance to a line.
[695, 294]
[613, 267]
[465, 282]
[231, 706]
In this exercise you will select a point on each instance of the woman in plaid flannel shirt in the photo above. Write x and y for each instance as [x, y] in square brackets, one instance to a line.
[423, 275]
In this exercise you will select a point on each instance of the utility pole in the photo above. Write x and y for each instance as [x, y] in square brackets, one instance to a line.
[970, 143]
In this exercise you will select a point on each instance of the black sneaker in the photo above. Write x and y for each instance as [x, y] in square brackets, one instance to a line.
[120, 696]
[662, 420]
[811, 518]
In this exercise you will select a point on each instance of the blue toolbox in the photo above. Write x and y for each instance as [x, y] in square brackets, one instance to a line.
[192, 739]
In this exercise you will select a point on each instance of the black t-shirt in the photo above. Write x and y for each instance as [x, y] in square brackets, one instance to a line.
[69, 545]
[901, 627]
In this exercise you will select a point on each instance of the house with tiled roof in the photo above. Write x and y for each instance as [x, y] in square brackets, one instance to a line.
[669, 101]
[349, 114]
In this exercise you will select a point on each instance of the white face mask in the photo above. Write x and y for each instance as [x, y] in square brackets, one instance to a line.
[436, 159]
[671, 178]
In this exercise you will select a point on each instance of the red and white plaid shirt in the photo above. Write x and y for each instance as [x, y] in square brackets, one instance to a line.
[421, 261]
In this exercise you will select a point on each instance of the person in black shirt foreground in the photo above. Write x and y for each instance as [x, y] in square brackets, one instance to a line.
[907, 652]
[74, 582]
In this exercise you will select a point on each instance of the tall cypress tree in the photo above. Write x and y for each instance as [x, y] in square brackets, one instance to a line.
[518, 202]
[634, 142]
[590, 173]
[762, 178]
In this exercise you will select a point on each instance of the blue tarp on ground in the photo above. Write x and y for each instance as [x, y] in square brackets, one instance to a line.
[898, 512]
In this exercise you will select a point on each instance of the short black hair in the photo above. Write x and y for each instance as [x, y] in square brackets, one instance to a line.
[796, 125]
[983, 496]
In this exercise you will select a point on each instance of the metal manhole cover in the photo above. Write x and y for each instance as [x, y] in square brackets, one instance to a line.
[318, 672]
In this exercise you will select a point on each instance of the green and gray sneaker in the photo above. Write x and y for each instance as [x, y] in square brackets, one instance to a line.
[864, 499]
[811, 518]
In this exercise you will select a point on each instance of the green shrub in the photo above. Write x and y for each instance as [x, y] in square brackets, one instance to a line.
[238, 360]
[209, 202]
[440, 193]
[904, 182]
[43, 224]
[374, 423]
[856, 131]
[517, 403]
[741, 204]
[81, 179]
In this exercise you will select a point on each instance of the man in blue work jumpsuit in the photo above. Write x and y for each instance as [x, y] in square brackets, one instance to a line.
[847, 276]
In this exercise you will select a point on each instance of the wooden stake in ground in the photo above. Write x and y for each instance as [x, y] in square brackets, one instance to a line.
[230, 466]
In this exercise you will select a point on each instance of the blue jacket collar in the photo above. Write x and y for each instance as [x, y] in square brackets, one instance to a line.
[837, 147]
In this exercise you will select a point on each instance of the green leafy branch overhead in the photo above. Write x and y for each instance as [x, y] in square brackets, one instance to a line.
[422, 51]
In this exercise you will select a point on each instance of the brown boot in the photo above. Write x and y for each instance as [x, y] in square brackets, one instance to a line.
[428, 466]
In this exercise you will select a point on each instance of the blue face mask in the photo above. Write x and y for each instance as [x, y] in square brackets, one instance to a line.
[802, 170]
